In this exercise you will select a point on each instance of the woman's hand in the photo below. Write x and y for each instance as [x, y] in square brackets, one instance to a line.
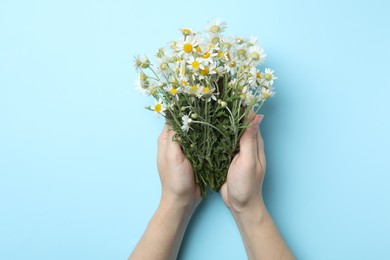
[176, 174]
[180, 196]
[243, 196]
[242, 189]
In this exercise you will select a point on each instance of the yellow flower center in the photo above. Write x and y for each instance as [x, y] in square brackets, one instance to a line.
[186, 31]
[183, 70]
[205, 71]
[215, 40]
[227, 44]
[193, 89]
[157, 108]
[255, 56]
[268, 76]
[143, 76]
[233, 64]
[173, 91]
[195, 64]
[198, 49]
[241, 54]
[188, 47]
[220, 54]
[206, 55]
[258, 75]
[215, 29]
[185, 83]
[206, 90]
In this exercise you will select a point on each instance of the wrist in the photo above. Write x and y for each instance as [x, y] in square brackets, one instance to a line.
[178, 204]
[188, 199]
[252, 212]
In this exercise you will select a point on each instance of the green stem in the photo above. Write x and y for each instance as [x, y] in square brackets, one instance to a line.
[204, 123]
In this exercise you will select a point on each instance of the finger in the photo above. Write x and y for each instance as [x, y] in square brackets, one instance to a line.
[259, 138]
[248, 141]
[224, 192]
[172, 144]
[164, 136]
[260, 149]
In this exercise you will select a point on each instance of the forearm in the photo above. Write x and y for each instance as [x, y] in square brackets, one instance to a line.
[260, 235]
[164, 233]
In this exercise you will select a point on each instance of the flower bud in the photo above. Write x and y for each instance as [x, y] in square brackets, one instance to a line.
[223, 104]
[172, 59]
[160, 53]
[142, 76]
[153, 91]
[194, 115]
[164, 66]
[185, 31]
[142, 62]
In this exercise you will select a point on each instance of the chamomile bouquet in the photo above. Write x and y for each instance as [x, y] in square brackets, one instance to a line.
[206, 86]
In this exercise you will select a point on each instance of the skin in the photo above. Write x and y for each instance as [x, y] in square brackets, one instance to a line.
[241, 193]
[180, 196]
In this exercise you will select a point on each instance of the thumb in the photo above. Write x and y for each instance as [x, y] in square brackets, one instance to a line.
[248, 141]
[224, 194]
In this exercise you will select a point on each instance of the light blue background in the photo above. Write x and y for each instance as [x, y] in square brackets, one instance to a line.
[77, 149]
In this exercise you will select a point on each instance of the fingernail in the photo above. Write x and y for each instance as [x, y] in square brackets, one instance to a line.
[257, 119]
[261, 117]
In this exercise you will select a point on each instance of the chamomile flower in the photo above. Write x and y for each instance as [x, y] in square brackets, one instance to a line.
[247, 98]
[209, 56]
[207, 93]
[226, 43]
[186, 31]
[214, 38]
[215, 26]
[193, 90]
[241, 51]
[159, 108]
[195, 64]
[174, 91]
[140, 87]
[231, 65]
[223, 55]
[266, 93]
[186, 123]
[143, 84]
[141, 62]
[252, 76]
[163, 65]
[240, 40]
[257, 54]
[187, 46]
[268, 77]
[215, 69]
[252, 41]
